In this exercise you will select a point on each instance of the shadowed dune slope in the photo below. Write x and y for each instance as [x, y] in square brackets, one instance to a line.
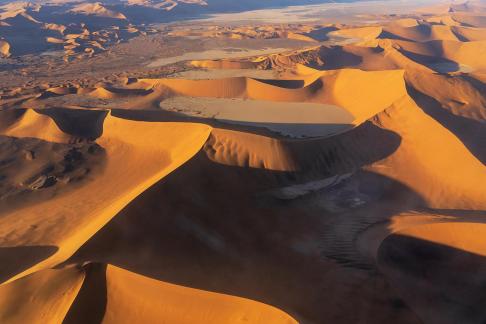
[463, 235]
[424, 160]
[441, 262]
[252, 250]
[416, 174]
[137, 155]
[468, 53]
[420, 33]
[454, 99]
[403, 155]
[108, 294]
[137, 199]
[470, 19]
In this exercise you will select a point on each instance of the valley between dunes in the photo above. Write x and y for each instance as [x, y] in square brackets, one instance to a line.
[349, 188]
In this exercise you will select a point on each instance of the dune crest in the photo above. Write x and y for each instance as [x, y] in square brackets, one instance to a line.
[122, 292]
[73, 218]
[227, 171]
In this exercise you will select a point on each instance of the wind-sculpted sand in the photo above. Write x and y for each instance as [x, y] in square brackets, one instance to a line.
[66, 226]
[319, 100]
[343, 182]
[72, 294]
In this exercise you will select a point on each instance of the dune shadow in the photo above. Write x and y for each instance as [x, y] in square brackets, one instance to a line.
[133, 92]
[286, 84]
[320, 34]
[207, 226]
[52, 94]
[25, 36]
[436, 63]
[77, 122]
[471, 132]
[444, 284]
[380, 197]
[459, 36]
[345, 152]
[335, 57]
[445, 66]
[342, 148]
[90, 304]
[480, 86]
[228, 241]
[387, 35]
[9, 117]
[423, 59]
[17, 259]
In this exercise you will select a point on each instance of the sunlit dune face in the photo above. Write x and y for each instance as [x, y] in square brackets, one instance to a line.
[191, 161]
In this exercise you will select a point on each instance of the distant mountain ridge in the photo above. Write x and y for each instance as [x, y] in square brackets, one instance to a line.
[85, 27]
[150, 10]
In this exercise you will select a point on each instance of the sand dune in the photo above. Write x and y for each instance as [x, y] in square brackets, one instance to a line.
[360, 33]
[436, 170]
[426, 41]
[72, 225]
[326, 87]
[453, 244]
[305, 63]
[345, 184]
[45, 296]
[201, 306]
[420, 33]
[426, 175]
[401, 155]
[469, 33]
[66, 300]
[470, 19]
[452, 51]
[97, 9]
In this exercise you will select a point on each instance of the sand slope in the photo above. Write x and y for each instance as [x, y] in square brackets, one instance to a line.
[45, 296]
[134, 201]
[417, 176]
[326, 87]
[77, 215]
[177, 304]
[61, 296]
